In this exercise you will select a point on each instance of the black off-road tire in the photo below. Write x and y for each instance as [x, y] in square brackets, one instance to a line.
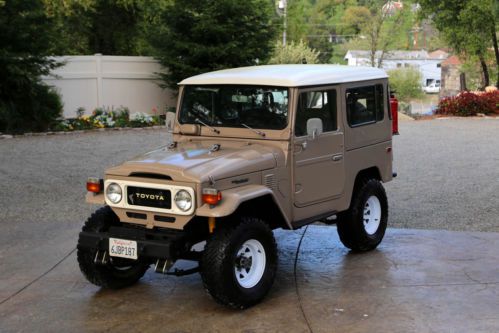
[109, 275]
[218, 263]
[350, 224]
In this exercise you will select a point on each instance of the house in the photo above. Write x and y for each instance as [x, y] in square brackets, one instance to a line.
[452, 79]
[429, 64]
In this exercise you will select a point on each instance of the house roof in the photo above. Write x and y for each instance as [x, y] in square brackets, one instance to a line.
[452, 60]
[288, 75]
[439, 54]
[390, 55]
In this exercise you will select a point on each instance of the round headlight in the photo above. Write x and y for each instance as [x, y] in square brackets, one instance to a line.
[114, 193]
[183, 200]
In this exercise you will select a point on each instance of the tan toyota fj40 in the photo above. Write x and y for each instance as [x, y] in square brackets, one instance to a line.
[254, 149]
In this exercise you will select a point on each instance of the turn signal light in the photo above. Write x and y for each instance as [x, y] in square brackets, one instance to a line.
[95, 185]
[211, 196]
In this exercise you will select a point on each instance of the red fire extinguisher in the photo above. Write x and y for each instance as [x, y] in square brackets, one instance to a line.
[394, 106]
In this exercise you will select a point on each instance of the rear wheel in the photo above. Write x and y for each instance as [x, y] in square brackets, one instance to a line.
[117, 272]
[363, 226]
[239, 263]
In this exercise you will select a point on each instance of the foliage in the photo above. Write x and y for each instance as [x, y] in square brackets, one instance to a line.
[468, 26]
[469, 104]
[334, 26]
[379, 29]
[38, 110]
[197, 36]
[26, 36]
[110, 27]
[406, 82]
[294, 53]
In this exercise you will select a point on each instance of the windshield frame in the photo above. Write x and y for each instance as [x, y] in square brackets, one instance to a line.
[237, 131]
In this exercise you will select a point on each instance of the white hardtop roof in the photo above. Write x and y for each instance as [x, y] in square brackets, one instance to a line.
[288, 75]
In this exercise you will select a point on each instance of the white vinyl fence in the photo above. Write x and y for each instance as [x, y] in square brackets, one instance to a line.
[110, 82]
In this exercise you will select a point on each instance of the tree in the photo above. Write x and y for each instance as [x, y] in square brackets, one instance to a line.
[469, 26]
[294, 53]
[111, 27]
[26, 37]
[379, 30]
[197, 36]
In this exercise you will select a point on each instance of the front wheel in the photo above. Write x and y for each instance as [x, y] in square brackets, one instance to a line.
[239, 263]
[363, 226]
[117, 272]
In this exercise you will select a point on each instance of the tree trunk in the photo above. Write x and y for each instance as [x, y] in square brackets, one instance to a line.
[485, 70]
[496, 51]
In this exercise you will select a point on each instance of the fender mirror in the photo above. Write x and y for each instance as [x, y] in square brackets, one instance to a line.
[170, 121]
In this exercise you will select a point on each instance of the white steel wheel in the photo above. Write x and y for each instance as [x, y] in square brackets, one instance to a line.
[372, 215]
[250, 263]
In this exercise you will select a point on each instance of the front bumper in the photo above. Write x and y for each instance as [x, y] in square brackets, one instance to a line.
[151, 244]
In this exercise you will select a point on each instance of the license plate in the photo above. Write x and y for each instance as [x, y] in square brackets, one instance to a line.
[123, 248]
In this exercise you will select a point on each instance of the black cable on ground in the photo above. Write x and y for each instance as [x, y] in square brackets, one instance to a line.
[296, 280]
[38, 278]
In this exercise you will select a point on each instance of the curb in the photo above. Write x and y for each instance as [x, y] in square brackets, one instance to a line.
[10, 136]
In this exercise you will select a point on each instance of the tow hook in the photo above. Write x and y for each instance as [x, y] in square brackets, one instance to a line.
[163, 265]
[101, 258]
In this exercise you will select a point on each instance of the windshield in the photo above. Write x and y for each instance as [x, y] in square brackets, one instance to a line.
[235, 106]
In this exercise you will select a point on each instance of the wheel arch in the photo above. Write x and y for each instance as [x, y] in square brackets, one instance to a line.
[362, 176]
[251, 200]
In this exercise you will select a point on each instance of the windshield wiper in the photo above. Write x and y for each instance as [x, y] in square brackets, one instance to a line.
[197, 120]
[254, 130]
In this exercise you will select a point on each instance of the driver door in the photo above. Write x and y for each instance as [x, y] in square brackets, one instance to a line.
[319, 170]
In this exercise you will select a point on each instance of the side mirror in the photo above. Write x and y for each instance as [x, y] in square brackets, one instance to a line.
[314, 127]
[170, 121]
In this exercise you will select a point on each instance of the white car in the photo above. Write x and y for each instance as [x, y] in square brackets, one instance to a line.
[432, 88]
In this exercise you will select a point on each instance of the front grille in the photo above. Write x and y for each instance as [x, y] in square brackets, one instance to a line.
[149, 197]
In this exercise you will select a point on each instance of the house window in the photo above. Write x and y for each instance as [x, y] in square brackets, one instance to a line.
[365, 105]
[407, 65]
[316, 104]
[399, 65]
[439, 65]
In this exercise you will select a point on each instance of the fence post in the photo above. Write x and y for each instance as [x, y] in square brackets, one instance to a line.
[98, 59]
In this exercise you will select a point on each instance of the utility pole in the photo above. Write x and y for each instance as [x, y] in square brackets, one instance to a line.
[283, 5]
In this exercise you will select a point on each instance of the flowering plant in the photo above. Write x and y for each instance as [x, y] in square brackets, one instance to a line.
[109, 118]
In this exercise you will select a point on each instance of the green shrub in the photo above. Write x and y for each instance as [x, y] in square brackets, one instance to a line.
[37, 109]
[294, 53]
[406, 82]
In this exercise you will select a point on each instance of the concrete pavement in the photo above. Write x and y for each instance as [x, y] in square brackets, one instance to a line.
[416, 281]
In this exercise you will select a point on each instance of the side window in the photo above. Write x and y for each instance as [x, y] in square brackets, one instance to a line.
[316, 104]
[365, 105]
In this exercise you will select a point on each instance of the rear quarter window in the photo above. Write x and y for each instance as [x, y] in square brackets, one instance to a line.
[365, 105]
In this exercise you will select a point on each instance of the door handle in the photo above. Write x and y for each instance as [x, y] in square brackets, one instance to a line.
[338, 157]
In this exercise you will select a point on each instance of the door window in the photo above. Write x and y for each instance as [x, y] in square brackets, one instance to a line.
[316, 104]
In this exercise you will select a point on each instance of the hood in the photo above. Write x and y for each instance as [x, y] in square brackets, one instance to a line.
[196, 162]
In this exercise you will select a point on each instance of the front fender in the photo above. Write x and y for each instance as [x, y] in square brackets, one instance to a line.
[231, 199]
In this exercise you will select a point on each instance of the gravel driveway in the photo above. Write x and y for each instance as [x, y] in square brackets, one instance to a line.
[448, 176]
